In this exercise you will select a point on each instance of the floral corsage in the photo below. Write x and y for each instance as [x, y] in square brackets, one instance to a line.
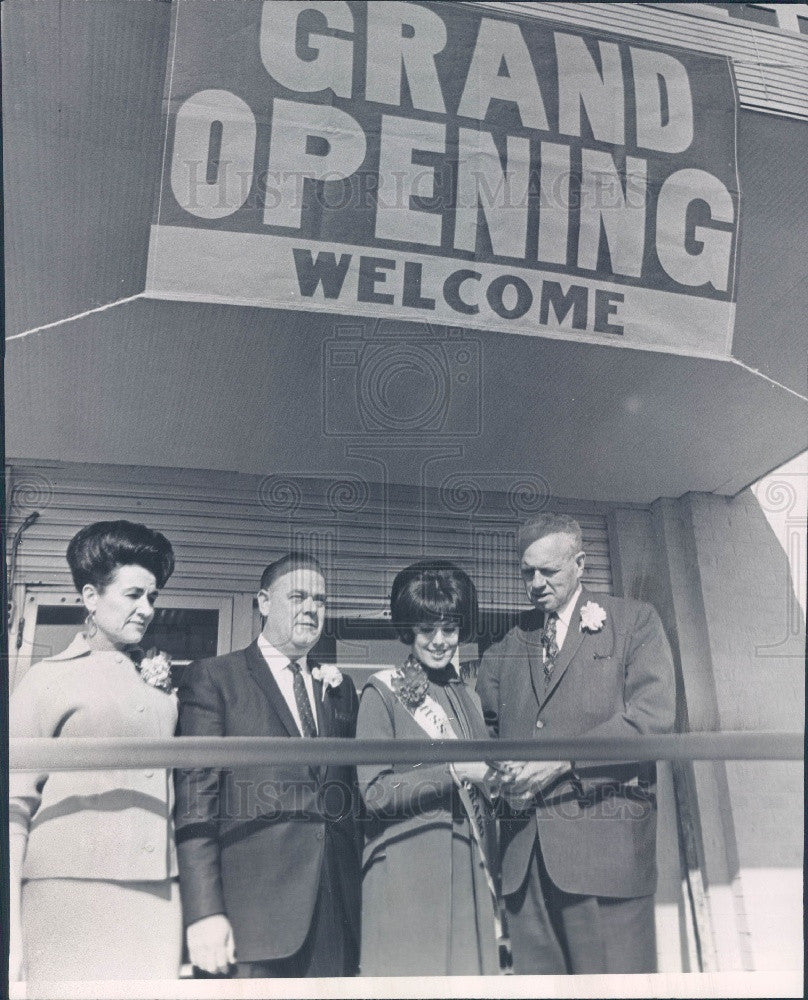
[411, 683]
[329, 675]
[592, 617]
[155, 670]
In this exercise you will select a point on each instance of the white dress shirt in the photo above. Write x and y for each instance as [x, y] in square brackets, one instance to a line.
[563, 620]
[278, 664]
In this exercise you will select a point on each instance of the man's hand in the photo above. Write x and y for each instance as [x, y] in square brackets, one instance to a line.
[476, 772]
[522, 780]
[210, 943]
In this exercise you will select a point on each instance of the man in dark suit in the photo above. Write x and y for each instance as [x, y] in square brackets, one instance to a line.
[578, 839]
[269, 855]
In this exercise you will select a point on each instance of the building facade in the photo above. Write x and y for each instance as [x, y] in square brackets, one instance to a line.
[179, 389]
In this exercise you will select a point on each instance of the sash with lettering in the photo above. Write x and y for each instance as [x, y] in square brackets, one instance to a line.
[432, 718]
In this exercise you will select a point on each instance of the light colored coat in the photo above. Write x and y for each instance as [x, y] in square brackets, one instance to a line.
[111, 825]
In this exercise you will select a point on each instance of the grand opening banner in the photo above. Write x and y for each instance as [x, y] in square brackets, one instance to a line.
[444, 163]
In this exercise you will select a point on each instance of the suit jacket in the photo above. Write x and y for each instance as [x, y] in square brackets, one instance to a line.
[597, 837]
[251, 840]
[106, 824]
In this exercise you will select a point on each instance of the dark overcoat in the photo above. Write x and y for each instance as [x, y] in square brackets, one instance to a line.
[251, 840]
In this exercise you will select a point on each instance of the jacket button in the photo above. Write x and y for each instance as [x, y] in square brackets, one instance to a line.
[119, 658]
[149, 774]
[539, 724]
[320, 835]
[149, 848]
[141, 708]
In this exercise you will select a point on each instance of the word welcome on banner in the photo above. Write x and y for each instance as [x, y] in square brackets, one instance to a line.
[435, 162]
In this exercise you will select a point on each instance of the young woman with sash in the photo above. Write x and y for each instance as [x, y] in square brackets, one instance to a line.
[429, 903]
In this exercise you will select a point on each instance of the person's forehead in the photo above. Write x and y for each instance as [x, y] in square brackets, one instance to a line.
[301, 578]
[132, 575]
[558, 546]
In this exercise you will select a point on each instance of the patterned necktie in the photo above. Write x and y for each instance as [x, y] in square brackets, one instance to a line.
[307, 725]
[549, 644]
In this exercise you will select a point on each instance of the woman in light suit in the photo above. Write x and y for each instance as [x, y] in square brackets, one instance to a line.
[92, 863]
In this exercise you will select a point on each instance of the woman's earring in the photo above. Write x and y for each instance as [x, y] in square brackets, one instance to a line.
[92, 628]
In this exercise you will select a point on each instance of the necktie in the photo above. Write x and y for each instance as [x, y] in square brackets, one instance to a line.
[307, 725]
[549, 644]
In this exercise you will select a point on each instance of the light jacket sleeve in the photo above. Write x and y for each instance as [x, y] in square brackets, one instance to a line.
[35, 710]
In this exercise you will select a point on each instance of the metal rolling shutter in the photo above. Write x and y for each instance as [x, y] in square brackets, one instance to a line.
[771, 66]
[226, 528]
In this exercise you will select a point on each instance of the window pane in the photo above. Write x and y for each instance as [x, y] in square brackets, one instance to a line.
[56, 625]
[184, 633]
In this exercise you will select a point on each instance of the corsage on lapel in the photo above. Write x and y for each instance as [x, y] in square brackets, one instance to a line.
[329, 675]
[410, 683]
[155, 670]
[592, 617]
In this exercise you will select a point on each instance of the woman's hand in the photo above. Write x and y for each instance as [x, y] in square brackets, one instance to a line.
[478, 773]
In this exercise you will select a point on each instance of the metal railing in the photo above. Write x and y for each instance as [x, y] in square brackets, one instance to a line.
[70, 754]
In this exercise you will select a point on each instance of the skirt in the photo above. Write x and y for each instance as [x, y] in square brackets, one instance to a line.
[438, 925]
[92, 929]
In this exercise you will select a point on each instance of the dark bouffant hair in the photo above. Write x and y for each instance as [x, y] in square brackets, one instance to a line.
[433, 590]
[287, 564]
[95, 552]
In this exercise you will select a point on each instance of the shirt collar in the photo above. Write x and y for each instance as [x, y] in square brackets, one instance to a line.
[275, 658]
[565, 613]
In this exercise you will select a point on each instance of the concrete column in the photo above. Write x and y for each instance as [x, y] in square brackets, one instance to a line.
[639, 571]
[729, 601]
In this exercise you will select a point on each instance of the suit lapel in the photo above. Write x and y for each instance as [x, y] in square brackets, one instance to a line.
[530, 638]
[324, 711]
[262, 676]
[322, 704]
[536, 661]
[572, 643]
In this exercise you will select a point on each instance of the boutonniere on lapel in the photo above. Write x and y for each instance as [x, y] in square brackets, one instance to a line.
[592, 617]
[155, 670]
[329, 675]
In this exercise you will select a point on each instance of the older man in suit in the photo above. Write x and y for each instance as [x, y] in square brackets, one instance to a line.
[578, 839]
[269, 855]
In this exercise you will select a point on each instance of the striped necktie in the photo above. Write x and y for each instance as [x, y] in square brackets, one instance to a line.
[549, 644]
[307, 724]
